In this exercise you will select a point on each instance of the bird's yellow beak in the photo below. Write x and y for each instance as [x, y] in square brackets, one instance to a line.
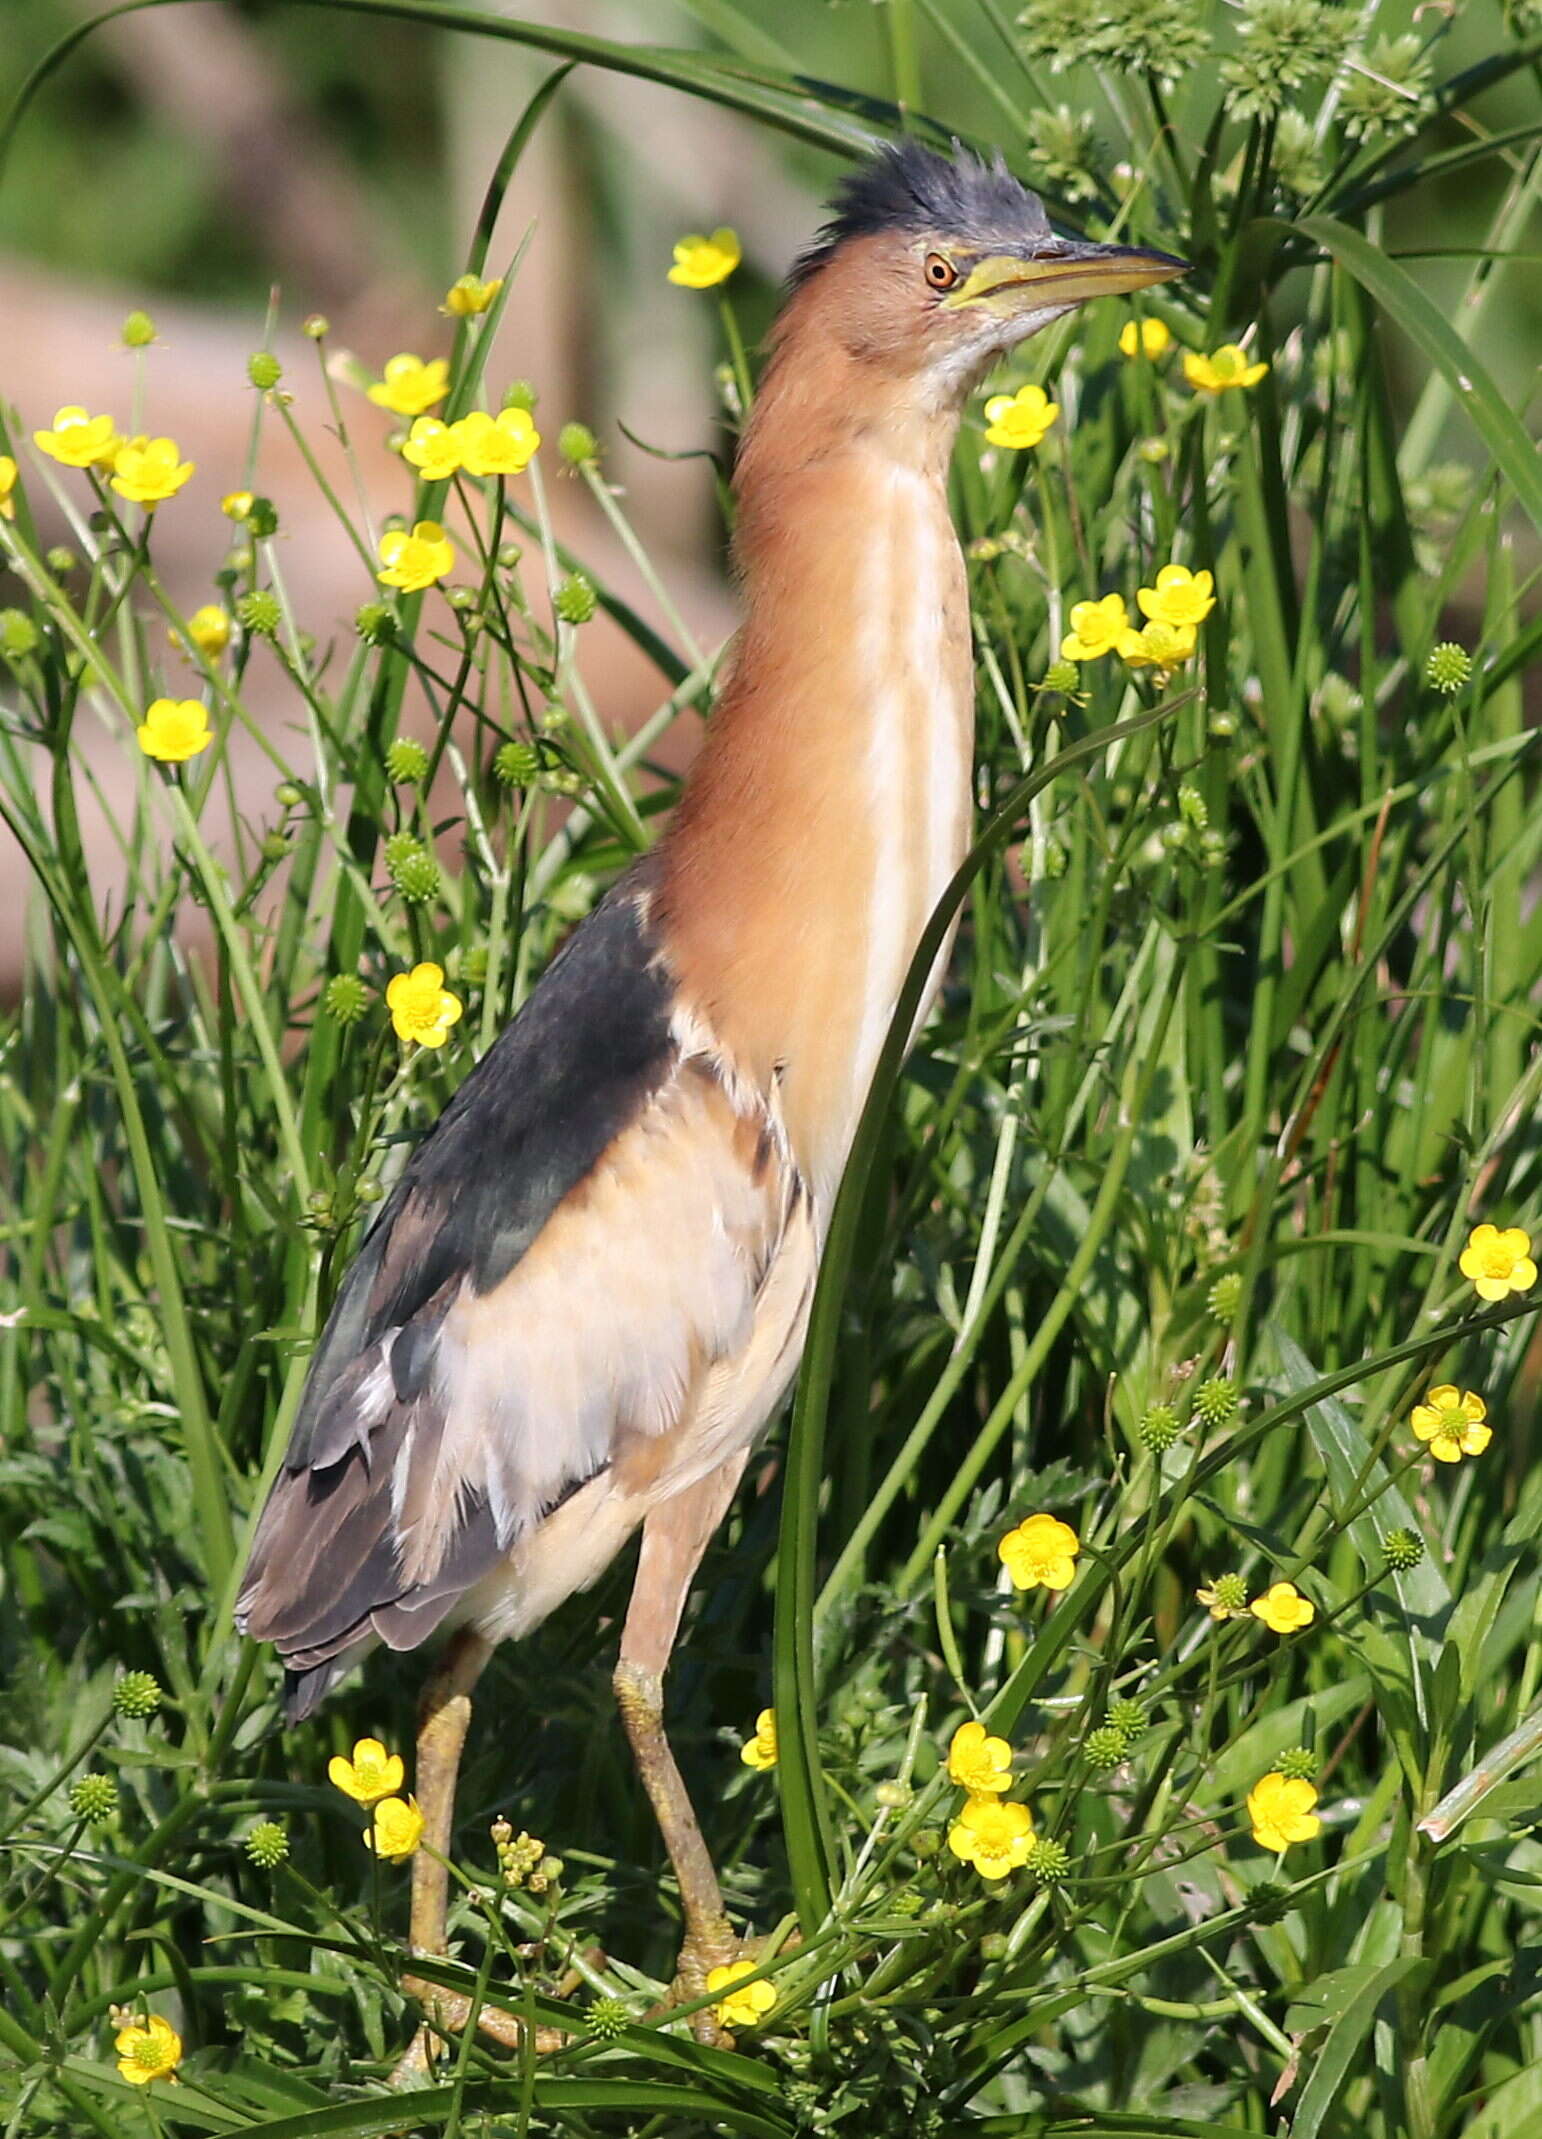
[1074, 270]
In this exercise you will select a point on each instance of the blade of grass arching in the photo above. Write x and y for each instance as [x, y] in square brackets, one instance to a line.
[1474, 390]
[790, 107]
[800, 1778]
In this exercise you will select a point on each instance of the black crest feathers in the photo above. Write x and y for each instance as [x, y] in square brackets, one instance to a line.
[906, 187]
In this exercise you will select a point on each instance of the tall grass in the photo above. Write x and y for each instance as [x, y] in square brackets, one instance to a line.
[1157, 1230]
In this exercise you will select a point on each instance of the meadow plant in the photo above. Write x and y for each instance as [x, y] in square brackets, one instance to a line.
[1111, 1703]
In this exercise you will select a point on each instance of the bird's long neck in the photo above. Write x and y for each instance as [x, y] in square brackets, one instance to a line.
[830, 803]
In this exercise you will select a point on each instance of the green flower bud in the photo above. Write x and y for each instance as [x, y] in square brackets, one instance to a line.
[892, 1796]
[19, 636]
[608, 2018]
[1225, 1296]
[1223, 726]
[473, 965]
[345, 998]
[264, 369]
[318, 326]
[319, 1204]
[509, 554]
[275, 845]
[288, 794]
[1404, 1550]
[137, 1695]
[259, 613]
[406, 762]
[61, 560]
[1216, 1401]
[1128, 1718]
[1103, 1748]
[411, 868]
[138, 331]
[1212, 850]
[376, 624]
[1448, 667]
[1192, 807]
[519, 393]
[1048, 1861]
[1159, 1428]
[94, 1798]
[1175, 836]
[577, 443]
[925, 1843]
[575, 600]
[995, 1946]
[262, 518]
[267, 1845]
[516, 764]
[369, 1190]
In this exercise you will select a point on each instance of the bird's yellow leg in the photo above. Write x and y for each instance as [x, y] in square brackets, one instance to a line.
[675, 1536]
[443, 1721]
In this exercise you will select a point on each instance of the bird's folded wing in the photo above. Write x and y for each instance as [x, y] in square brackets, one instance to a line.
[583, 1235]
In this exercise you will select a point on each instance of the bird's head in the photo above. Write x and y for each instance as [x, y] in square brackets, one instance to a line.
[933, 267]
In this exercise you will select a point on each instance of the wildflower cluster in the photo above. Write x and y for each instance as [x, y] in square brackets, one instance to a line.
[522, 1860]
[1173, 608]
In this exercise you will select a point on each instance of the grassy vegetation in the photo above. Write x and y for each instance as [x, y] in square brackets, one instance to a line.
[1157, 1231]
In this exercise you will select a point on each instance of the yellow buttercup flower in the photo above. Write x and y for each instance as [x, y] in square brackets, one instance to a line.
[421, 1006]
[1157, 645]
[466, 296]
[413, 562]
[433, 448]
[411, 387]
[1179, 596]
[760, 1751]
[149, 2052]
[398, 1829]
[1498, 1262]
[209, 630]
[147, 471]
[372, 1772]
[8, 474]
[1040, 1552]
[744, 2008]
[236, 504]
[1451, 1420]
[1096, 629]
[174, 729]
[1021, 419]
[1280, 1808]
[994, 1837]
[702, 262]
[504, 444]
[78, 440]
[1283, 1609]
[1224, 368]
[978, 1763]
[1145, 337]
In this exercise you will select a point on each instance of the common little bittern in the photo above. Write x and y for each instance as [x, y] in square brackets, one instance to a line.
[587, 1295]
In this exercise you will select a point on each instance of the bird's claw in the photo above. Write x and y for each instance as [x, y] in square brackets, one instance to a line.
[447, 2013]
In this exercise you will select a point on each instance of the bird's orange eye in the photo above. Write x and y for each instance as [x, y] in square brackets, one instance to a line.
[940, 273]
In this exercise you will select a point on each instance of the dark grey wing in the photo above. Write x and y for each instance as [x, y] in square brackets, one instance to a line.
[551, 1096]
